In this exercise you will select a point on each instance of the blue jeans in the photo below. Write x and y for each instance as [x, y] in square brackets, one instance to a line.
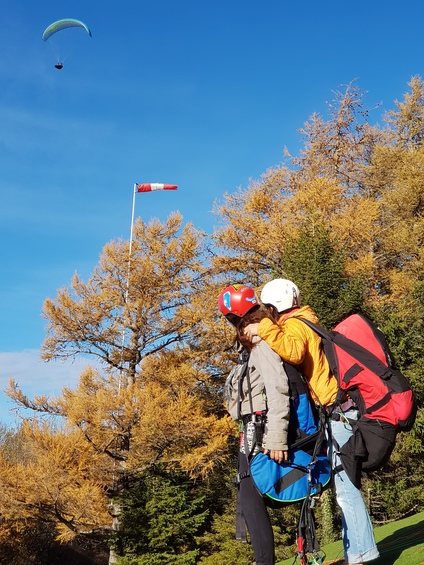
[357, 530]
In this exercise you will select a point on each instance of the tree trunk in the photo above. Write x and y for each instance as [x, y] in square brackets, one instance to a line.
[116, 547]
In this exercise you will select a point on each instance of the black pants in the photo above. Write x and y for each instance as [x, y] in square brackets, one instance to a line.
[256, 516]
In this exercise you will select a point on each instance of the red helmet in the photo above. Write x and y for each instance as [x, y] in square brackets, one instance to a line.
[237, 299]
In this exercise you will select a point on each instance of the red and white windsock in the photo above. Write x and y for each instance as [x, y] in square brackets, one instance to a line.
[155, 186]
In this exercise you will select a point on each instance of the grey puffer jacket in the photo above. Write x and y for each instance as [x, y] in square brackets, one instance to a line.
[270, 394]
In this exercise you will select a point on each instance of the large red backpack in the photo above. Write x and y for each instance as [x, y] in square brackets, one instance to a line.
[361, 361]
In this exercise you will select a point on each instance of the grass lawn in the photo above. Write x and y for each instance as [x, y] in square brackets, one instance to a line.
[399, 543]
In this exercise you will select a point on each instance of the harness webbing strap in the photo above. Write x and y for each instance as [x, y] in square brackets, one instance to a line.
[243, 361]
[240, 476]
[241, 528]
[293, 476]
[240, 522]
[249, 388]
[386, 398]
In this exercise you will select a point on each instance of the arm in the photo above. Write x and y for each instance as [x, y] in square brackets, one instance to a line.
[290, 345]
[275, 380]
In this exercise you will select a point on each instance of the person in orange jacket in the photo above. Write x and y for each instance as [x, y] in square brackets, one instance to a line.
[299, 345]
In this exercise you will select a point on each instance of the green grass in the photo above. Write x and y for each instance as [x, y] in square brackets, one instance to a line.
[399, 543]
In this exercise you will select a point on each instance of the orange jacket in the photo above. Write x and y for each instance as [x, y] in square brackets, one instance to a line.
[297, 344]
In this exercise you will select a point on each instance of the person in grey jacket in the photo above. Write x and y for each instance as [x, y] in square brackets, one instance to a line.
[257, 396]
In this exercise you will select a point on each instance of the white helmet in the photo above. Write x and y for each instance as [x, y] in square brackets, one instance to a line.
[281, 293]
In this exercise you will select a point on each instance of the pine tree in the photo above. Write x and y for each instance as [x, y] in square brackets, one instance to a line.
[319, 264]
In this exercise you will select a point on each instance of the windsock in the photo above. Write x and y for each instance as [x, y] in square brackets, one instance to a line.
[155, 186]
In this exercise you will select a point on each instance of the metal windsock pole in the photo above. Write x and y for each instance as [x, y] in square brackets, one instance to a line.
[148, 187]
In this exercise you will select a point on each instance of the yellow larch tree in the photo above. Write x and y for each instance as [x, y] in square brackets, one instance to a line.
[146, 401]
[324, 185]
[398, 170]
[363, 182]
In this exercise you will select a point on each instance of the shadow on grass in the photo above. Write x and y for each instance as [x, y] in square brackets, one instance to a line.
[392, 546]
[399, 543]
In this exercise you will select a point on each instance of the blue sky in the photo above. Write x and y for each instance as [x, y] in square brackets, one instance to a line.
[205, 95]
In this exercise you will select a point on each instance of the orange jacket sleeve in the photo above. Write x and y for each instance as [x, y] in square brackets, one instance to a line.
[290, 345]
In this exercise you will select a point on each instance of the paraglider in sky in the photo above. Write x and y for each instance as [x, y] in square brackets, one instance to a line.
[60, 25]
[63, 24]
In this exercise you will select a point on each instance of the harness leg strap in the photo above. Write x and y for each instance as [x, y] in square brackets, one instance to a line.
[240, 522]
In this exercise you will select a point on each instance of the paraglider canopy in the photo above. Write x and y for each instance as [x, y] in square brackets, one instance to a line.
[63, 24]
[60, 25]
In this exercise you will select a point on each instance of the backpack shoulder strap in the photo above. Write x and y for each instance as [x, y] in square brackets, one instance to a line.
[354, 349]
[322, 332]
[243, 360]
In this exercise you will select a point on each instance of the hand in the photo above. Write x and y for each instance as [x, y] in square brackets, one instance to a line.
[277, 455]
[251, 330]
